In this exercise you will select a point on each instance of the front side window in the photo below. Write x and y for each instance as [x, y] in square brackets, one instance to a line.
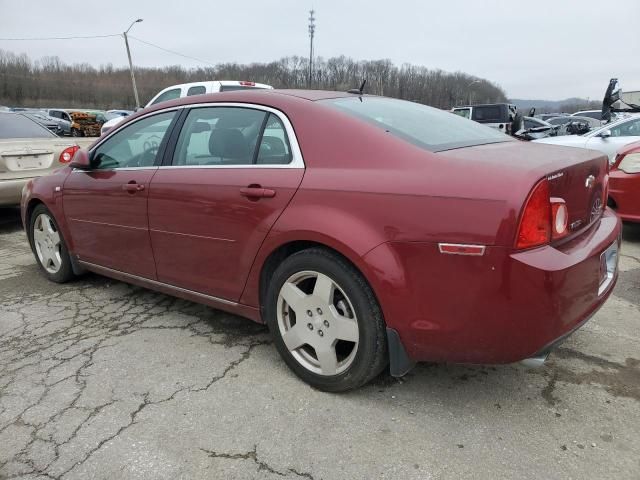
[168, 95]
[426, 127]
[197, 90]
[136, 145]
[220, 136]
[627, 129]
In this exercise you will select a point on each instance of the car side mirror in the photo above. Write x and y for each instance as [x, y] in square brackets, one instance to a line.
[81, 160]
[605, 134]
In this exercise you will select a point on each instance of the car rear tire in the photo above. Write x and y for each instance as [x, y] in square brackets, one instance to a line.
[325, 321]
[49, 246]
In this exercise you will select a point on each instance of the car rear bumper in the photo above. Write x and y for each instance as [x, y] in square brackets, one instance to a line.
[624, 189]
[500, 307]
[11, 191]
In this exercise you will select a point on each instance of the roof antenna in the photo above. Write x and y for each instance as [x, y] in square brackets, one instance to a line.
[358, 91]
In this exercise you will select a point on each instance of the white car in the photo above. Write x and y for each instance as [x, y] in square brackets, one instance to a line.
[607, 139]
[188, 89]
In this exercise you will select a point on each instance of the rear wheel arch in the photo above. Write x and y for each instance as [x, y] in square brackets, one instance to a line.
[279, 254]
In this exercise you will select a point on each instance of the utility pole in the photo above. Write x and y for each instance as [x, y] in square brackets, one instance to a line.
[133, 78]
[312, 30]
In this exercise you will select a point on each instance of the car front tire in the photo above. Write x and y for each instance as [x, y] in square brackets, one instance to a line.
[325, 321]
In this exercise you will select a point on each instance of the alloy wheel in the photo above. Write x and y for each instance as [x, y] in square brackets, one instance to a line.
[47, 243]
[318, 323]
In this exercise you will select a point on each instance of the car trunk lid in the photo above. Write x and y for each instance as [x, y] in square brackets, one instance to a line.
[26, 158]
[576, 175]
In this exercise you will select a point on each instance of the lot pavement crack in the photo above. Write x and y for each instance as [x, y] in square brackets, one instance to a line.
[261, 464]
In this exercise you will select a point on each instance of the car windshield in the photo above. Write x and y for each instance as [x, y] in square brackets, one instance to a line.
[19, 126]
[429, 128]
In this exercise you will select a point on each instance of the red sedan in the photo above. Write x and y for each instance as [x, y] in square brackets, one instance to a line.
[624, 183]
[364, 231]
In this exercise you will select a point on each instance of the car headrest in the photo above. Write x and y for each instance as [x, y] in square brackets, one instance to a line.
[229, 143]
[272, 150]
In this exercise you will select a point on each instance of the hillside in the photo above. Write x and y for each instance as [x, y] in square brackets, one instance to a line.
[50, 82]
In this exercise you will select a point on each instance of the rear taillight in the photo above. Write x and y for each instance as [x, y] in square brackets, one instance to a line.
[248, 84]
[68, 153]
[535, 223]
[543, 218]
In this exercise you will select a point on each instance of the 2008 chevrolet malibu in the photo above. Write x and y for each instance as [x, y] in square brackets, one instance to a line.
[366, 232]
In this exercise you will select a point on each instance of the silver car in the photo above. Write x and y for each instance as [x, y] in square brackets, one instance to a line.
[28, 150]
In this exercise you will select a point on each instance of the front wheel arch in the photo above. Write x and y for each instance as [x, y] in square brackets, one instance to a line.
[31, 206]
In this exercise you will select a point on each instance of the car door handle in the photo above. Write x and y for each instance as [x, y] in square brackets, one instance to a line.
[133, 187]
[257, 192]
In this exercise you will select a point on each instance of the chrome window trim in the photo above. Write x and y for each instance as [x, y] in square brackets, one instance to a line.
[121, 169]
[297, 160]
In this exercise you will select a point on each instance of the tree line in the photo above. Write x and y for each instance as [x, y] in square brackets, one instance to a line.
[49, 82]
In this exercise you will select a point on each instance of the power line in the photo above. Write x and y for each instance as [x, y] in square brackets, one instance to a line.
[172, 51]
[58, 38]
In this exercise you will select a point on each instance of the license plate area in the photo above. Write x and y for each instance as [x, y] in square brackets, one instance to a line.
[30, 162]
[608, 267]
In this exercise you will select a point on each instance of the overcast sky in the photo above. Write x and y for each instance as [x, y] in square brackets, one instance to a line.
[549, 49]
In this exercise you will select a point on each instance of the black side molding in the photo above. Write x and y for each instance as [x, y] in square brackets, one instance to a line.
[399, 362]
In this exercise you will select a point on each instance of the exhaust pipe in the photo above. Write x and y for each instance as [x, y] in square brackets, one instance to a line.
[535, 362]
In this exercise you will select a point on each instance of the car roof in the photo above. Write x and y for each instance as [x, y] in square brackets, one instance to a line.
[272, 98]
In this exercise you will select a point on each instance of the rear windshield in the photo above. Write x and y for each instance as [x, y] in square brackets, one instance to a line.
[19, 126]
[429, 128]
[489, 113]
[228, 88]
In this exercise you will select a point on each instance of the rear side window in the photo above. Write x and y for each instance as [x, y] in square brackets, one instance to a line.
[489, 114]
[13, 125]
[429, 128]
[595, 115]
[219, 136]
[274, 146]
[168, 95]
[197, 90]
[463, 112]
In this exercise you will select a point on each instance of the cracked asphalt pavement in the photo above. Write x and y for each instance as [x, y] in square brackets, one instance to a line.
[100, 379]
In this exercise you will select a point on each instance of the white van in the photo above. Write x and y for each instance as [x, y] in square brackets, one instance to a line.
[189, 89]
